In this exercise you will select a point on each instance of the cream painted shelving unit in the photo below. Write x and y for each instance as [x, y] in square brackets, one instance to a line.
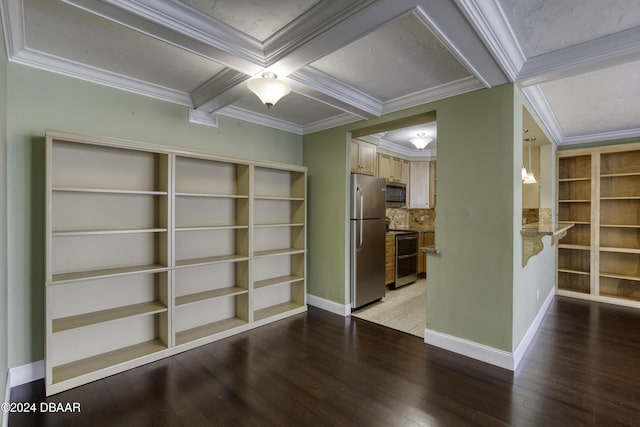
[599, 191]
[151, 251]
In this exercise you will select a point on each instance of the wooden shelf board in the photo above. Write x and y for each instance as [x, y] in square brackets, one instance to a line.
[620, 250]
[96, 232]
[106, 360]
[209, 295]
[575, 201]
[88, 319]
[107, 272]
[620, 225]
[208, 329]
[294, 224]
[275, 310]
[620, 276]
[109, 191]
[212, 227]
[620, 198]
[573, 179]
[282, 198]
[276, 281]
[570, 246]
[212, 196]
[211, 260]
[275, 252]
[565, 270]
[614, 175]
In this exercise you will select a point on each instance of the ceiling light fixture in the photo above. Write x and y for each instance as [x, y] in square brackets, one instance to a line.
[268, 88]
[420, 141]
[528, 177]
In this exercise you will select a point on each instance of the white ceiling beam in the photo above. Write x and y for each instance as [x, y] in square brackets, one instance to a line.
[449, 24]
[220, 90]
[182, 36]
[592, 55]
[315, 84]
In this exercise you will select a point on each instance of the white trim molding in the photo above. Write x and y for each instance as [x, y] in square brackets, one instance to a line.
[526, 340]
[26, 373]
[474, 350]
[259, 119]
[328, 305]
[493, 356]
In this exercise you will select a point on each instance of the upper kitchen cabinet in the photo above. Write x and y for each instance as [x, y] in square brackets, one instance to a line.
[393, 169]
[363, 157]
[422, 188]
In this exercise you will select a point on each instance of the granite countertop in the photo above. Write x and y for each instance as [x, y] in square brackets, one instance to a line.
[544, 228]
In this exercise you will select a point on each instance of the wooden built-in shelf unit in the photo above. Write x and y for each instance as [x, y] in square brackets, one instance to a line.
[599, 191]
[151, 251]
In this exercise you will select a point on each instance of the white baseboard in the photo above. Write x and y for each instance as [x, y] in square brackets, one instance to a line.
[474, 350]
[484, 353]
[26, 373]
[524, 343]
[328, 305]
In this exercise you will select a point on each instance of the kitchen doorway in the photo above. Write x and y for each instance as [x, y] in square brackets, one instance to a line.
[405, 163]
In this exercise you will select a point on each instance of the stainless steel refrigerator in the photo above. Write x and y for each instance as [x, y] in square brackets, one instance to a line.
[367, 239]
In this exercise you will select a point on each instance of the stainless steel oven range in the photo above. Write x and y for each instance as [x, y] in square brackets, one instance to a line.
[406, 258]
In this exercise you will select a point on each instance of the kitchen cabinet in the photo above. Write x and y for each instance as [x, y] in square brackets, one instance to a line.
[419, 196]
[426, 239]
[432, 184]
[393, 169]
[390, 259]
[599, 191]
[363, 157]
[152, 251]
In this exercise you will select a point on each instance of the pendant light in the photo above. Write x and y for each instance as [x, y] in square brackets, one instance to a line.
[268, 88]
[420, 141]
[528, 177]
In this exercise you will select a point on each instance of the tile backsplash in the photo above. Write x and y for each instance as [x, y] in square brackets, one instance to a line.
[402, 217]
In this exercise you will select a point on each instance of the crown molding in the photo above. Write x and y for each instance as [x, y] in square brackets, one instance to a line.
[541, 106]
[260, 119]
[220, 90]
[601, 136]
[488, 18]
[592, 55]
[452, 28]
[457, 87]
[431, 152]
[331, 122]
[195, 24]
[102, 77]
[319, 81]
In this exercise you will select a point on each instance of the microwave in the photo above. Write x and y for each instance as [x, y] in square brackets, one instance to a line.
[396, 195]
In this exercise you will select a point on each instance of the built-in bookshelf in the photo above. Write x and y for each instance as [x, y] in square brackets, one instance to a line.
[599, 190]
[151, 251]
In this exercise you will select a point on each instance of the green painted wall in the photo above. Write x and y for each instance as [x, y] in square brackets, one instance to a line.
[4, 344]
[39, 101]
[470, 284]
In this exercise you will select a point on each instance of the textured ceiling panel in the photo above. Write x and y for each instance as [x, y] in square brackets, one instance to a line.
[400, 58]
[542, 26]
[293, 108]
[258, 19]
[64, 31]
[600, 101]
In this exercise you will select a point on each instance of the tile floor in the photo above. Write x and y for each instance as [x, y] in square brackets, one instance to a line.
[404, 309]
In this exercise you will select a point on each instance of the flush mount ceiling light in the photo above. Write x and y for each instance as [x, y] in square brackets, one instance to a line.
[268, 88]
[420, 141]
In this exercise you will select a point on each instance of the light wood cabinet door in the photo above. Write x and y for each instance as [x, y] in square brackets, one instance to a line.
[406, 172]
[390, 259]
[384, 166]
[363, 157]
[419, 187]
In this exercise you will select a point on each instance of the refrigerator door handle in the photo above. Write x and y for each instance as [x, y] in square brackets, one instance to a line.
[361, 215]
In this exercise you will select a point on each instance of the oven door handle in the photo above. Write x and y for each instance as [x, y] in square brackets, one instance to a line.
[407, 256]
[407, 238]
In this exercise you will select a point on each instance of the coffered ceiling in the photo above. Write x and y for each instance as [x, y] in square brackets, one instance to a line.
[578, 61]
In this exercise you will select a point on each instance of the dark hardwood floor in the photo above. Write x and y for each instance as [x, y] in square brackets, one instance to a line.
[319, 369]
